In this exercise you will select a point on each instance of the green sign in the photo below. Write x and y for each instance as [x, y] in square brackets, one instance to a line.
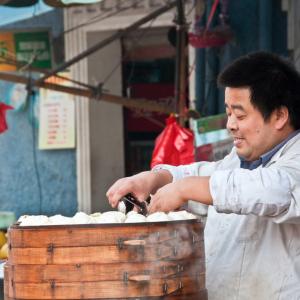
[211, 130]
[33, 48]
[211, 123]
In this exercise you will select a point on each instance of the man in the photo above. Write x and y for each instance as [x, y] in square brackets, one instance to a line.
[252, 233]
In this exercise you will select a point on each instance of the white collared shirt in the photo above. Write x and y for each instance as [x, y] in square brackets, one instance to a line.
[252, 232]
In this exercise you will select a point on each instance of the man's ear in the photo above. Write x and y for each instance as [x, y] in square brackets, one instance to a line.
[281, 116]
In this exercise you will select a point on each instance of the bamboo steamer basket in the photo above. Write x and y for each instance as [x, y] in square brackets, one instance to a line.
[157, 260]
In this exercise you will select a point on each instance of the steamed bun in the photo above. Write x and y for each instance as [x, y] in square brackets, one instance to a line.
[34, 220]
[81, 218]
[135, 218]
[60, 220]
[95, 217]
[112, 217]
[180, 215]
[158, 217]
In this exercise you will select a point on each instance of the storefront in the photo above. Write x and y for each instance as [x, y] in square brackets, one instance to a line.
[111, 141]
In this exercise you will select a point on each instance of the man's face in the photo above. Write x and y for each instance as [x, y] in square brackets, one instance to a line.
[253, 136]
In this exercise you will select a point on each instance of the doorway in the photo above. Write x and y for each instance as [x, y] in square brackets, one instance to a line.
[148, 73]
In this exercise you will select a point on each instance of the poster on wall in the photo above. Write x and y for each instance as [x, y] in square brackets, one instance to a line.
[18, 49]
[56, 119]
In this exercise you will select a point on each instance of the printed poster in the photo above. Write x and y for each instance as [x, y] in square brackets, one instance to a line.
[57, 119]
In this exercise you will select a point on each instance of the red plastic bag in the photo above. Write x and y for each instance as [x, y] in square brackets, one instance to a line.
[174, 146]
[3, 108]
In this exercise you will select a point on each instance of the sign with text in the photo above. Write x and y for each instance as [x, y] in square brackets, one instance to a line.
[26, 47]
[212, 140]
[57, 119]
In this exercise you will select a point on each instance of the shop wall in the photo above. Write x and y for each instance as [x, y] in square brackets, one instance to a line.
[33, 181]
[100, 130]
[106, 121]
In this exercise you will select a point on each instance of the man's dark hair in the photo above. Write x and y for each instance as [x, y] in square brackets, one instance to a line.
[273, 82]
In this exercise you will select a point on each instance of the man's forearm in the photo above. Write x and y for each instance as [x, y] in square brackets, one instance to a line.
[195, 188]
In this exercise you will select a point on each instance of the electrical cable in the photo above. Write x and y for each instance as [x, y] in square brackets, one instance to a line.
[138, 39]
[93, 20]
[191, 10]
[23, 66]
[10, 18]
[136, 43]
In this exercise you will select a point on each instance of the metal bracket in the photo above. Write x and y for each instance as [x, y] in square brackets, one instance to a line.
[50, 248]
[125, 277]
[97, 91]
[165, 288]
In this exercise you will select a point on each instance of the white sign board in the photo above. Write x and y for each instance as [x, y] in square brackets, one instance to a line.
[57, 120]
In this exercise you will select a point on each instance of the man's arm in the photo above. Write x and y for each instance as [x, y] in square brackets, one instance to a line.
[140, 185]
[172, 196]
[266, 192]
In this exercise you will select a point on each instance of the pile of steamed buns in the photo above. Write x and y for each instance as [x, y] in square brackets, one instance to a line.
[103, 218]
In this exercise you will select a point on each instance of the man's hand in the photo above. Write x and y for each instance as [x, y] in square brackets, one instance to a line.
[172, 196]
[167, 198]
[140, 185]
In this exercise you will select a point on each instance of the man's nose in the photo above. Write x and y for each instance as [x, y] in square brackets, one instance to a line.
[231, 124]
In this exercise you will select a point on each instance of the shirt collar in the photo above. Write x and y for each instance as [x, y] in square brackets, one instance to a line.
[266, 157]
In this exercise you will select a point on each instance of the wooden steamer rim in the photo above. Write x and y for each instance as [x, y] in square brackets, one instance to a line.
[154, 260]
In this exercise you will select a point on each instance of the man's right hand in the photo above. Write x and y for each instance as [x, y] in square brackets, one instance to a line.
[140, 185]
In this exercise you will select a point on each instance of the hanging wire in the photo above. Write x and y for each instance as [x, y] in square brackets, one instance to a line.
[96, 19]
[135, 44]
[27, 12]
[191, 68]
[11, 60]
[191, 10]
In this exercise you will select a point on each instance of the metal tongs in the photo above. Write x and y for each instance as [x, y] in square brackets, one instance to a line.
[130, 202]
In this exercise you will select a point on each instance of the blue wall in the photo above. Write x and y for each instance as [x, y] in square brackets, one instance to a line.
[36, 181]
[19, 185]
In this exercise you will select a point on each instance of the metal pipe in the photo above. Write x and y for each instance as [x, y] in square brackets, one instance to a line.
[180, 74]
[141, 104]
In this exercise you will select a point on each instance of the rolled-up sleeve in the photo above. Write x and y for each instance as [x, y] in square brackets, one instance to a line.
[194, 169]
[263, 192]
[203, 168]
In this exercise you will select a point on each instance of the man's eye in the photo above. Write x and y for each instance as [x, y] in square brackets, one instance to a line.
[241, 117]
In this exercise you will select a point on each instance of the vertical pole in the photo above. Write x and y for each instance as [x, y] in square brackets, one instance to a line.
[211, 70]
[200, 60]
[180, 74]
